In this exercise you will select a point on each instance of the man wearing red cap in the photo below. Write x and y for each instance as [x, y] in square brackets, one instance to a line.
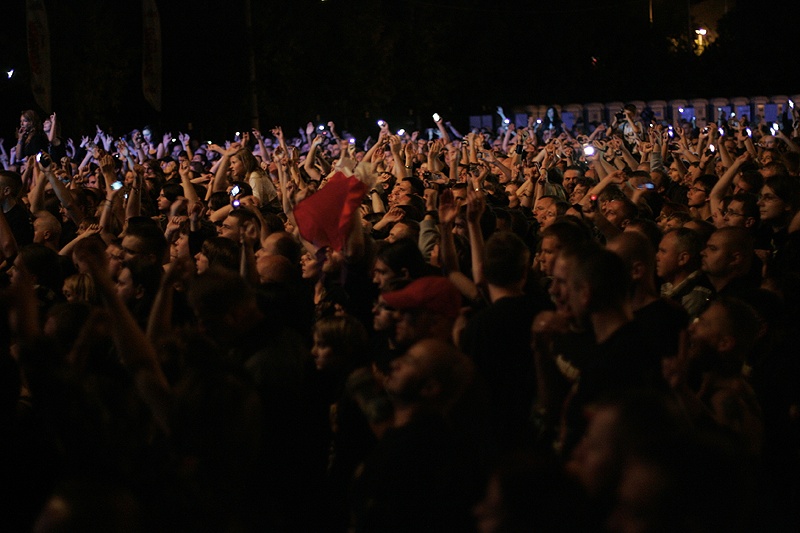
[425, 309]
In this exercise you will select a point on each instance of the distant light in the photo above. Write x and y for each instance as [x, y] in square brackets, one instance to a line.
[701, 31]
[506, 121]
[401, 132]
[538, 121]
[321, 127]
[10, 73]
[588, 150]
[680, 110]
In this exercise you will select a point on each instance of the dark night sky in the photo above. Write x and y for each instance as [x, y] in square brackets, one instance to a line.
[355, 60]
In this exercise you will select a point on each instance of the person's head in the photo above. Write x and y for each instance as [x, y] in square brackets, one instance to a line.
[404, 229]
[742, 211]
[80, 288]
[310, 266]
[30, 122]
[638, 254]
[153, 174]
[243, 163]
[678, 252]
[275, 269]
[700, 191]
[564, 232]
[545, 210]
[620, 211]
[169, 193]
[144, 240]
[773, 168]
[597, 281]
[579, 190]
[748, 181]
[238, 221]
[506, 261]
[426, 308]
[432, 375]
[42, 263]
[138, 281]
[339, 343]
[46, 228]
[677, 220]
[283, 244]
[667, 210]
[728, 253]
[10, 185]
[217, 252]
[225, 304]
[722, 336]
[571, 176]
[646, 227]
[780, 199]
[400, 259]
[619, 427]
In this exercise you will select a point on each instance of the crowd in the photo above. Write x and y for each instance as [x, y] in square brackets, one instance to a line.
[533, 328]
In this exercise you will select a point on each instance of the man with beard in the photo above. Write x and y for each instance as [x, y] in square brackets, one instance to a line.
[719, 341]
[423, 476]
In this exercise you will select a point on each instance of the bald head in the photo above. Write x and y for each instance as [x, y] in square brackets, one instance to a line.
[275, 269]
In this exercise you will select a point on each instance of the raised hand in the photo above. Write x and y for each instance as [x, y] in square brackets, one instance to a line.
[447, 208]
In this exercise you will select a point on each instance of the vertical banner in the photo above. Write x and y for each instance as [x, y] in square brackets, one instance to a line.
[151, 54]
[39, 53]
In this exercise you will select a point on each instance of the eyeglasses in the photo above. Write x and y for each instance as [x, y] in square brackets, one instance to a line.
[730, 213]
[699, 189]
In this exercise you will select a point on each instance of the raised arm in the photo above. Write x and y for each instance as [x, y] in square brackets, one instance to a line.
[440, 124]
[137, 354]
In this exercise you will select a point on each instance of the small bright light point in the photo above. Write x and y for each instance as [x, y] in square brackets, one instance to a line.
[680, 110]
[506, 121]
[701, 31]
[238, 133]
[320, 127]
[588, 150]
[174, 139]
[538, 121]
[10, 73]
[401, 132]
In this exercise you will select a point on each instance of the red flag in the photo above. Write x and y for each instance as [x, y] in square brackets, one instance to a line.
[39, 53]
[325, 218]
[151, 54]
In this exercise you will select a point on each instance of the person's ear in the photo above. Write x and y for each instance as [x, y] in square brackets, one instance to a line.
[637, 270]
[684, 258]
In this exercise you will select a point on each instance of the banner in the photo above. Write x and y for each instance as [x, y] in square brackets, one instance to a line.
[39, 53]
[151, 54]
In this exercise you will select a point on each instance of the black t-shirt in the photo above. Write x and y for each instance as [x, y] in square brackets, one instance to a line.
[662, 322]
[19, 220]
[498, 339]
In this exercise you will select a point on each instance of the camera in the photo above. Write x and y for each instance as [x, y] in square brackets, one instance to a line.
[620, 116]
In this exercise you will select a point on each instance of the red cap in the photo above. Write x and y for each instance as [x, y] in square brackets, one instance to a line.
[433, 293]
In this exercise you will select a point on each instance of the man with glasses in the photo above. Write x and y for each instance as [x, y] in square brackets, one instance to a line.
[698, 195]
[742, 211]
